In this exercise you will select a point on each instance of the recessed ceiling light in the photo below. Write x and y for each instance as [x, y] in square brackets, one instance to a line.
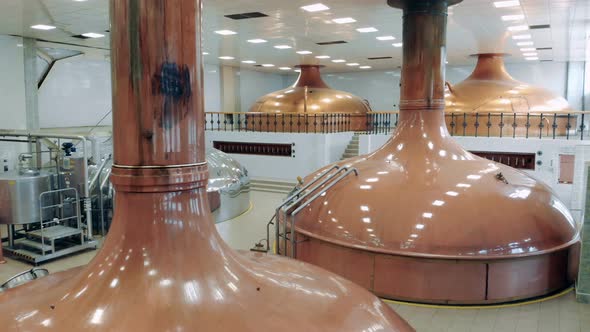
[285, 68]
[365, 67]
[344, 20]
[248, 61]
[365, 30]
[226, 32]
[256, 41]
[268, 65]
[304, 52]
[518, 28]
[205, 53]
[530, 54]
[297, 70]
[527, 43]
[504, 4]
[352, 64]
[528, 49]
[318, 7]
[92, 35]
[43, 27]
[338, 60]
[282, 47]
[513, 17]
[322, 57]
[226, 57]
[398, 44]
[386, 38]
[520, 37]
[532, 58]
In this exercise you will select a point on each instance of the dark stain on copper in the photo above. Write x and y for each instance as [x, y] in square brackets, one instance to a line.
[173, 82]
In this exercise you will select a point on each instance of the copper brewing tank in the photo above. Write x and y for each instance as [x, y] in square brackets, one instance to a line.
[425, 220]
[310, 96]
[491, 90]
[163, 266]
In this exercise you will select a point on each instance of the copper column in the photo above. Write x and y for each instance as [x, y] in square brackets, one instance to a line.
[163, 266]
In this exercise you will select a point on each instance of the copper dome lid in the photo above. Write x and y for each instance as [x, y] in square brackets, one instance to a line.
[491, 89]
[163, 266]
[429, 221]
[310, 94]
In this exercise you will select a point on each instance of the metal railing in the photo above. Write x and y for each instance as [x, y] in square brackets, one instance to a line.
[282, 122]
[554, 125]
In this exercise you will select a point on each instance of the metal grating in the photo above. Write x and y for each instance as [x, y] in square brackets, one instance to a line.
[516, 160]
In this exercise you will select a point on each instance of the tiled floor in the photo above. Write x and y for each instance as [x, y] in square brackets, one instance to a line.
[561, 314]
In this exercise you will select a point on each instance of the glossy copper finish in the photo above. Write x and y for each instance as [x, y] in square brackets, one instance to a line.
[427, 221]
[310, 95]
[163, 266]
[491, 89]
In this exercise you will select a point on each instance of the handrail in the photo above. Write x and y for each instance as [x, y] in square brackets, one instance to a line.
[288, 201]
[313, 198]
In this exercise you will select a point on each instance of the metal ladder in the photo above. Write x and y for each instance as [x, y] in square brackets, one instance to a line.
[285, 229]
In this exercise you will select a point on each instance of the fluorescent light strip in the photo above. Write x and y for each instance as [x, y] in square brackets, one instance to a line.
[531, 54]
[249, 61]
[226, 57]
[226, 32]
[533, 58]
[304, 52]
[528, 49]
[317, 7]
[42, 27]
[366, 30]
[398, 44]
[344, 20]
[527, 43]
[322, 57]
[285, 68]
[505, 4]
[365, 67]
[283, 47]
[352, 64]
[338, 60]
[268, 65]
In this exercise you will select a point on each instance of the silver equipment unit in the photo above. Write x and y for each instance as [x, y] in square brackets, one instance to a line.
[229, 186]
[19, 196]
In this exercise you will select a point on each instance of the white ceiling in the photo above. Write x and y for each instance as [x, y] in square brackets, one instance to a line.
[474, 26]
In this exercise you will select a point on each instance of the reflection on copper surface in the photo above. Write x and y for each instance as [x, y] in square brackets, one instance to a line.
[427, 221]
[163, 266]
[491, 89]
[310, 95]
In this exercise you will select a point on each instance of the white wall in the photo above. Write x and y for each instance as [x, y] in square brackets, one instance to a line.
[212, 88]
[76, 93]
[12, 84]
[312, 151]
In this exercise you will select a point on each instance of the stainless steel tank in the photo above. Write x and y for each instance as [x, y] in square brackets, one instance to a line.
[20, 196]
[229, 186]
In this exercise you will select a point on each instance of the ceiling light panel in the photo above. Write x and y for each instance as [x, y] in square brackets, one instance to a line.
[365, 67]
[521, 37]
[249, 61]
[268, 65]
[92, 35]
[513, 17]
[285, 68]
[283, 47]
[304, 52]
[352, 64]
[386, 38]
[256, 41]
[506, 4]
[43, 27]
[344, 20]
[339, 61]
[532, 58]
[322, 57]
[226, 57]
[226, 32]
[526, 43]
[366, 30]
[317, 7]
[398, 44]
[518, 28]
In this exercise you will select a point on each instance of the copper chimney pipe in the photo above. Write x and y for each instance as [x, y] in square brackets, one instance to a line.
[310, 77]
[163, 266]
[424, 220]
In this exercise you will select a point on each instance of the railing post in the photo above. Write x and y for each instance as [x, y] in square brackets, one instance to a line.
[489, 123]
[582, 127]
[452, 124]
[528, 124]
[514, 125]
[554, 124]
[501, 124]
[476, 123]
[541, 126]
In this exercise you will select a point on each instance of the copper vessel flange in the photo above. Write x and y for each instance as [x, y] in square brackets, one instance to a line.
[159, 179]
